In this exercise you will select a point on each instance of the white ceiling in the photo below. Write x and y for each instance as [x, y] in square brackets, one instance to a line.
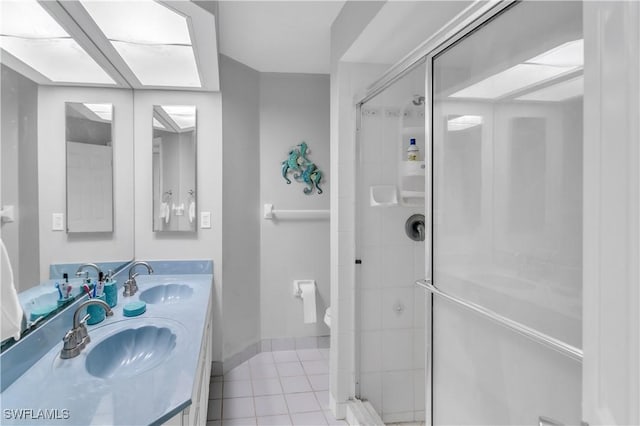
[399, 27]
[278, 36]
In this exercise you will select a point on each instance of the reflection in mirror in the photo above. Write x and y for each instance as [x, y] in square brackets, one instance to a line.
[37, 255]
[174, 168]
[89, 167]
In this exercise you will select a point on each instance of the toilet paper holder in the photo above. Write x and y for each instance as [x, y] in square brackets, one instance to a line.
[306, 291]
[297, 290]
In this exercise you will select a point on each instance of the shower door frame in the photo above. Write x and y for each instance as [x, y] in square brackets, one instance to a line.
[599, 390]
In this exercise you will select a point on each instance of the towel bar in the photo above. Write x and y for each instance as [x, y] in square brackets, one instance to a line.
[270, 213]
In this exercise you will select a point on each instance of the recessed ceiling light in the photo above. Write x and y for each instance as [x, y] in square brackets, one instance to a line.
[152, 39]
[558, 92]
[560, 60]
[32, 36]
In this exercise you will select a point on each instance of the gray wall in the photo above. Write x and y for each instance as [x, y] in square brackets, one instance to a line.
[293, 108]
[19, 177]
[264, 116]
[206, 243]
[240, 200]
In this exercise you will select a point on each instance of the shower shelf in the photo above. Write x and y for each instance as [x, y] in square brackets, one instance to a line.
[411, 194]
[412, 174]
[383, 196]
[413, 168]
[413, 130]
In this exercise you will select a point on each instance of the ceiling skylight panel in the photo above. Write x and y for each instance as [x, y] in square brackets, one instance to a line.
[183, 115]
[161, 65]
[152, 39]
[140, 21]
[158, 125]
[515, 78]
[32, 36]
[61, 60]
[29, 20]
[103, 111]
[561, 59]
[558, 92]
[569, 54]
[463, 122]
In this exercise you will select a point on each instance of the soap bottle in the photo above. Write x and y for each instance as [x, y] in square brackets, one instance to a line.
[413, 152]
[111, 290]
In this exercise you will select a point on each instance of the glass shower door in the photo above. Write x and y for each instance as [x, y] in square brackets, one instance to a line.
[507, 220]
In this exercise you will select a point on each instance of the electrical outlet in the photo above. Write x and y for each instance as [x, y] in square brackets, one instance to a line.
[205, 220]
[57, 222]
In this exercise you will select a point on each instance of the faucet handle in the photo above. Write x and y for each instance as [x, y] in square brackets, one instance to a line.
[69, 339]
[130, 287]
[83, 321]
[83, 334]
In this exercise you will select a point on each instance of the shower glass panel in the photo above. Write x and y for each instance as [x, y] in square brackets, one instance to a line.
[390, 189]
[507, 212]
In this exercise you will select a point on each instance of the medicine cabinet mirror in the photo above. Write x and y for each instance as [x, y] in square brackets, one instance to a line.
[89, 167]
[174, 168]
[41, 125]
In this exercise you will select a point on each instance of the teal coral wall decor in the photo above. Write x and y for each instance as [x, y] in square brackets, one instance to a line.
[303, 169]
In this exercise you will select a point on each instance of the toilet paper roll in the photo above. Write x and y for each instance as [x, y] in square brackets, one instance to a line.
[308, 291]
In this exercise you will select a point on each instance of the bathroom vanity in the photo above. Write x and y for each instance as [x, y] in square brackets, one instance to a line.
[149, 369]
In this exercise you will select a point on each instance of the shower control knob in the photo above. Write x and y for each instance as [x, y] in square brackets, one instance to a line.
[398, 307]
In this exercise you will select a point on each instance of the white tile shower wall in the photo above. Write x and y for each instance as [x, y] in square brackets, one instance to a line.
[391, 310]
[347, 80]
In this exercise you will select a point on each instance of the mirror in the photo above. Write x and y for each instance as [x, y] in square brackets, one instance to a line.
[35, 126]
[174, 168]
[89, 167]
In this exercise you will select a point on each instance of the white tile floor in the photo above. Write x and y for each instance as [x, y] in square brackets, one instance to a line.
[274, 388]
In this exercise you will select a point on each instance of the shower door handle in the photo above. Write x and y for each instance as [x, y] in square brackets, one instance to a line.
[535, 335]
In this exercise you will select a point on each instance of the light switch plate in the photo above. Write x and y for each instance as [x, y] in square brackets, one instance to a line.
[205, 220]
[57, 222]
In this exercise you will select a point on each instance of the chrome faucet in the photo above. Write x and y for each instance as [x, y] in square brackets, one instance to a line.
[77, 338]
[88, 265]
[130, 286]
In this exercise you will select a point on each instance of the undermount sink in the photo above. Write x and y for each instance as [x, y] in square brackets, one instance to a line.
[130, 352]
[166, 293]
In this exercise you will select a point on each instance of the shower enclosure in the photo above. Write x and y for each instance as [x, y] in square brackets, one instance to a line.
[390, 245]
[492, 332]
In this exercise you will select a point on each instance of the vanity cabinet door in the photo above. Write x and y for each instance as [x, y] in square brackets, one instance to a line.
[196, 413]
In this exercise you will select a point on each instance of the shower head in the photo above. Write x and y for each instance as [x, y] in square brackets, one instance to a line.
[418, 100]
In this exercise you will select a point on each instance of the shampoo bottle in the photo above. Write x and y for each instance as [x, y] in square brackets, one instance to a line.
[413, 152]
